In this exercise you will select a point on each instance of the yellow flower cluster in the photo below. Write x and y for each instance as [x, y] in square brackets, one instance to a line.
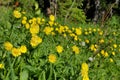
[15, 51]
[35, 40]
[52, 58]
[75, 49]
[84, 71]
[59, 49]
[34, 29]
[48, 30]
[93, 47]
[104, 53]
[17, 14]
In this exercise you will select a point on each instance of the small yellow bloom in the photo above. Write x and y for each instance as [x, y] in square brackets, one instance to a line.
[16, 52]
[51, 23]
[52, 58]
[86, 33]
[78, 31]
[92, 47]
[101, 41]
[39, 20]
[94, 30]
[101, 33]
[8, 46]
[111, 60]
[52, 18]
[1, 66]
[23, 49]
[16, 14]
[75, 38]
[113, 53]
[106, 54]
[75, 49]
[115, 45]
[59, 49]
[27, 25]
[24, 22]
[87, 41]
[25, 18]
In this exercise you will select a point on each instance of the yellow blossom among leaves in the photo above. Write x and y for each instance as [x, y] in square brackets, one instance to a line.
[35, 40]
[115, 45]
[24, 22]
[78, 31]
[52, 58]
[23, 49]
[84, 71]
[1, 66]
[52, 18]
[16, 14]
[59, 49]
[27, 25]
[34, 29]
[8, 46]
[16, 52]
[48, 30]
[75, 49]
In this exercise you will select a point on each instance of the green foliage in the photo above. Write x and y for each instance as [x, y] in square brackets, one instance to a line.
[35, 65]
[69, 9]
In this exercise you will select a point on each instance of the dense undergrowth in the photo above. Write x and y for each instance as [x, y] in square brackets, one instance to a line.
[37, 48]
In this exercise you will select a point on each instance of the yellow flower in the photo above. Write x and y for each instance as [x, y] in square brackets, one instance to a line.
[115, 45]
[102, 52]
[34, 29]
[94, 30]
[51, 23]
[59, 49]
[24, 22]
[78, 31]
[85, 67]
[75, 38]
[48, 30]
[52, 58]
[8, 46]
[27, 25]
[111, 60]
[75, 49]
[101, 41]
[86, 33]
[16, 14]
[113, 53]
[100, 32]
[87, 41]
[35, 40]
[25, 18]
[39, 20]
[52, 18]
[16, 52]
[84, 71]
[23, 49]
[86, 78]
[1, 66]
[92, 47]
[106, 54]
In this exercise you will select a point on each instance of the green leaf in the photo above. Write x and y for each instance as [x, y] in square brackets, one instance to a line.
[24, 75]
[42, 76]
